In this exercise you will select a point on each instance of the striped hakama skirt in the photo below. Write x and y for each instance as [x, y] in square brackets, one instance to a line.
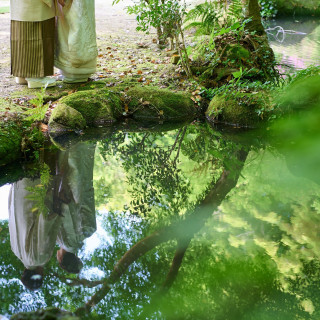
[32, 48]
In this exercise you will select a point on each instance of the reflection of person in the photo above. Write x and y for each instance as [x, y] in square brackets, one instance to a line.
[71, 216]
[32, 41]
[76, 48]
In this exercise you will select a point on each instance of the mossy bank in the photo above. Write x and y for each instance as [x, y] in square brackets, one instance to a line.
[91, 108]
[96, 107]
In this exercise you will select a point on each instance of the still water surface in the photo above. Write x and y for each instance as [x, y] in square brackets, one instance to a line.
[296, 42]
[204, 224]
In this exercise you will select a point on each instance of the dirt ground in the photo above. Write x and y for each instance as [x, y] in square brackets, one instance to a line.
[124, 53]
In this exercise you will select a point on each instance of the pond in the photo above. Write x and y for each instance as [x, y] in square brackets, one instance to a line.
[296, 42]
[188, 223]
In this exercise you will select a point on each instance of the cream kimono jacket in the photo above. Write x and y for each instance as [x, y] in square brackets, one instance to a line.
[76, 47]
[33, 237]
[32, 10]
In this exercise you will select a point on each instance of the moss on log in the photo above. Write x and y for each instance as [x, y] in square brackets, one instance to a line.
[149, 103]
[96, 106]
[65, 118]
[244, 110]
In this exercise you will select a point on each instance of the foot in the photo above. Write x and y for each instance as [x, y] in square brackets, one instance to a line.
[77, 80]
[20, 80]
[34, 83]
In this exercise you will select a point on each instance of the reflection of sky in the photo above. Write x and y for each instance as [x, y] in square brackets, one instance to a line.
[4, 194]
[99, 239]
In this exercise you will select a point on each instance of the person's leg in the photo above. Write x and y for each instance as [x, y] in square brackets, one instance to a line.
[32, 52]
[76, 48]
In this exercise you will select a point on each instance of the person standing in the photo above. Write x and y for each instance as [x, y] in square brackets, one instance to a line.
[32, 42]
[76, 48]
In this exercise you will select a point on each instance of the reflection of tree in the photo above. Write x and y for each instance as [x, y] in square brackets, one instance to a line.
[182, 232]
[187, 263]
[150, 162]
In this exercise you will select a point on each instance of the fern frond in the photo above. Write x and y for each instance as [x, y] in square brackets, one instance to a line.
[234, 11]
[205, 15]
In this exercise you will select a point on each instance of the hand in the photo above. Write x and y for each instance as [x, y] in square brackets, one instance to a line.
[62, 2]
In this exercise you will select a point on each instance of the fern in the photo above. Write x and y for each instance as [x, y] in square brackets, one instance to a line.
[204, 17]
[210, 15]
[37, 113]
[234, 12]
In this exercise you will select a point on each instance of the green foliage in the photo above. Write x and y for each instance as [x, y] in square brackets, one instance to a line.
[37, 194]
[268, 8]
[234, 11]
[40, 109]
[167, 17]
[208, 13]
[162, 15]
[304, 73]
[212, 18]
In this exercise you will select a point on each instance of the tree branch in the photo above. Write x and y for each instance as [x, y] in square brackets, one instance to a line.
[176, 264]
[189, 226]
[180, 143]
[73, 282]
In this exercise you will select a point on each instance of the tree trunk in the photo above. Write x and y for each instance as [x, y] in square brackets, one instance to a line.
[252, 11]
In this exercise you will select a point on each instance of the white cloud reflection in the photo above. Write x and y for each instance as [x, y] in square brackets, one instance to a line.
[4, 195]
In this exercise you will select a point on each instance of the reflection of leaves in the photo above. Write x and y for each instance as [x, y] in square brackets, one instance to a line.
[37, 194]
[155, 181]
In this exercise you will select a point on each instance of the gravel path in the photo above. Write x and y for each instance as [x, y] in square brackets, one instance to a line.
[111, 21]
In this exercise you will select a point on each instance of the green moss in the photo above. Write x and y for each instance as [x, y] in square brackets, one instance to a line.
[64, 118]
[6, 105]
[10, 143]
[237, 52]
[153, 104]
[96, 106]
[241, 109]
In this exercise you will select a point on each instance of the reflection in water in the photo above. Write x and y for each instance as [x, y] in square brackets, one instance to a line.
[67, 214]
[4, 192]
[192, 224]
[299, 49]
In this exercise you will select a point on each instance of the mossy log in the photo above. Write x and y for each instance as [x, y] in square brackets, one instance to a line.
[242, 109]
[86, 108]
[90, 108]
[96, 106]
[149, 103]
[65, 118]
